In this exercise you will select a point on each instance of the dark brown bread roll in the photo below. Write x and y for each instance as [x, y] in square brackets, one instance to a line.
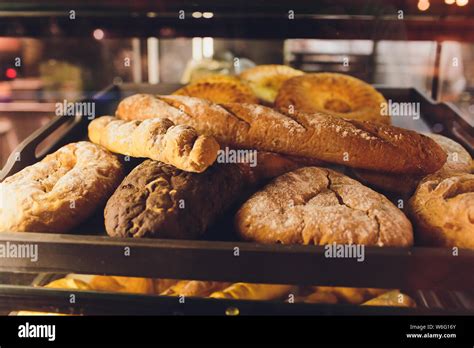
[157, 200]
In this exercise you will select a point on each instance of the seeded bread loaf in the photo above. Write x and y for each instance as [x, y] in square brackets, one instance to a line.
[352, 143]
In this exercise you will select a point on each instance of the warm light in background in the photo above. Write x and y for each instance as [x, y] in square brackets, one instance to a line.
[98, 34]
[462, 2]
[449, 2]
[10, 73]
[423, 5]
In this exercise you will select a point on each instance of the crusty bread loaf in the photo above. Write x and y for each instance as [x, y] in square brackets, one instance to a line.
[442, 210]
[159, 201]
[158, 139]
[319, 206]
[349, 142]
[332, 93]
[458, 160]
[59, 192]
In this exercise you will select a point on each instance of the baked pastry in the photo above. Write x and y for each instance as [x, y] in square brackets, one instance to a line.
[59, 192]
[122, 284]
[266, 80]
[248, 291]
[392, 298]
[194, 288]
[442, 210]
[158, 139]
[347, 295]
[320, 206]
[160, 201]
[332, 93]
[348, 142]
[219, 90]
[458, 160]
[68, 283]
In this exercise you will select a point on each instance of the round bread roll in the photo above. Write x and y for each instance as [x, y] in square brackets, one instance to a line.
[458, 160]
[319, 206]
[219, 90]
[59, 192]
[442, 210]
[266, 80]
[335, 94]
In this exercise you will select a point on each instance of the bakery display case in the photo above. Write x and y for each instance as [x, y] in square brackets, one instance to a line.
[137, 213]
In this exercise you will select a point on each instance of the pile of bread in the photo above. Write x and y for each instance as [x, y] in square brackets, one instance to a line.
[325, 158]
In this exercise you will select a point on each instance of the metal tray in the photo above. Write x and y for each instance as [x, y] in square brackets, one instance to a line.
[88, 250]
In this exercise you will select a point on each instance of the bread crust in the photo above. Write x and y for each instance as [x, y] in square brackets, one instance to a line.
[219, 91]
[332, 93]
[458, 160]
[266, 80]
[159, 201]
[158, 139]
[320, 206]
[59, 192]
[351, 143]
[442, 210]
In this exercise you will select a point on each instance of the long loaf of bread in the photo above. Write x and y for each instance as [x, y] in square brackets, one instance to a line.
[158, 139]
[352, 143]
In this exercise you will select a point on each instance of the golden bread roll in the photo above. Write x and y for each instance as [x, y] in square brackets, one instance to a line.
[332, 93]
[158, 139]
[223, 91]
[332, 139]
[442, 210]
[349, 295]
[458, 160]
[122, 284]
[69, 283]
[248, 291]
[320, 206]
[161, 285]
[59, 192]
[266, 80]
[194, 288]
[392, 298]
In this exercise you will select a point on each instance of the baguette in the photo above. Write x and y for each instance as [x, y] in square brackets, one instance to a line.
[353, 143]
[158, 139]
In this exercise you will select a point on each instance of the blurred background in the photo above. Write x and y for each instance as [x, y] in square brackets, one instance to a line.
[52, 51]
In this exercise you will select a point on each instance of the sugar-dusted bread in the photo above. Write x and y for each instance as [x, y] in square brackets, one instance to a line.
[158, 139]
[59, 192]
[442, 210]
[332, 93]
[157, 200]
[319, 206]
[352, 143]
